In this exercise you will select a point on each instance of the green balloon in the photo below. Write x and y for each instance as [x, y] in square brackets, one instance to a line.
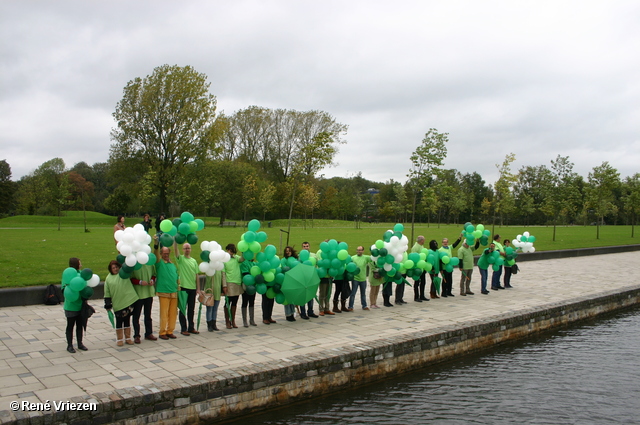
[270, 293]
[123, 274]
[166, 225]
[120, 259]
[261, 288]
[261, 237]
[68, 274]
[193, 227]
[152, 259]
[250, 289]
[186, 217]
[254, 225]
[173, 231]
[78, 284]
[166, 240]
[280, 298]
[200, 224]
[249, 236]
[184, 228]
[86, 293]
[180, 238]
[70, 294]
[86, 274]
[176, 222]
[192, 238]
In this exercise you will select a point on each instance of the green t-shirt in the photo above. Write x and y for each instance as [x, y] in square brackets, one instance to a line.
[188, 271]
[145, 273]
[232, 270]
[417, 248]
[215, 283]
[466, 256]
[361, 261]
[167, 274]
[120, 291]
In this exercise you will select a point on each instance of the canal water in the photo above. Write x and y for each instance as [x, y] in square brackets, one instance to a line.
[588, 374]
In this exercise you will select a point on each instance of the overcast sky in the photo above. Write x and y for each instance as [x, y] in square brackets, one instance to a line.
[534, 78]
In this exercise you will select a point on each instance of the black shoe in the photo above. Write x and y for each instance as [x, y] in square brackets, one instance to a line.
[315, 316]
[82, 347]
[70, 349]
[418, 300]
[424, 298]
[485, 292]
[304, 316]
[444, 295]
[291, 318]
[508, 286]
[388, 304]
[494, 288]
[500, 287]
[451, 295]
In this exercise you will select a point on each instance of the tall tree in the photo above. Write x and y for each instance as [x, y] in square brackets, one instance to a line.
[7, 188]
[80, 194]
[560, 190]
[603, 181]
[425, 163]
[504, 204]
[631, 199]
[164, 121]
[53, 176]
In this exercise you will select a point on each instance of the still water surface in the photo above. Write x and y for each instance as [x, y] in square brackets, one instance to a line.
[582, 375]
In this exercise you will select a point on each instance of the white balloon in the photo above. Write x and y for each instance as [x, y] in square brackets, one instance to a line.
[532, 249]
[127, 237]
[146, 249]
[94, 281]
[138, 226]
[204, 267]
[210, 272]
[214, 246]
[141, 237]
[136, 246]
[131, 260]
[227, 257]
[398, 258]
[118, 235]
[394, 240]
[204, 246]
[525, 234]
[387, 266]
[125, 249]
[142, 257]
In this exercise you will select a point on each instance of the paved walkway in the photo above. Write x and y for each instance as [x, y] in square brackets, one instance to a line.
[35, 366]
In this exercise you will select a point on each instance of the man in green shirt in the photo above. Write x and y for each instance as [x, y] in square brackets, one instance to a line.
[189, 283]
[418, 288]
[360, 280]
[465, 254]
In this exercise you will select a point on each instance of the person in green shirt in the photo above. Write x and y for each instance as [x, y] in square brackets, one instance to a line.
[232, 283]
[495, 277]
[465, 254]
[360, 280]
[144, 280]
[72, 313]
[213, 284]
[120, 296]
[483, 265]
[167, 284]
[189, 283]
[248, 301]
[418, 287]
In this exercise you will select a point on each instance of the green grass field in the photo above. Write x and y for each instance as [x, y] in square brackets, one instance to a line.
[34, 252]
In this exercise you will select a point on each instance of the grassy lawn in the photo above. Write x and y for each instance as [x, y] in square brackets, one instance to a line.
[34, 252]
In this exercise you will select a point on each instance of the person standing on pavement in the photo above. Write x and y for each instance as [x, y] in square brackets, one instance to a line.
[419, 286]
[167, 284]
[72, 313]
[120, 295]
[465, 254]
[508, 265]
[433, 273]
[189, 283]
[307, 311]
[144, 280]
[447, 277]
[495, 277]
[483, 265]
[233, 288]
[360, 279]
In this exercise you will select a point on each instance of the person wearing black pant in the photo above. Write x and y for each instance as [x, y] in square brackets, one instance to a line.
[419, 285]
[433, 274]
[143, 281]
[507, 266]
[447, 277]
[267, 310]
[72, 313]
[342, 293]
[387, 290]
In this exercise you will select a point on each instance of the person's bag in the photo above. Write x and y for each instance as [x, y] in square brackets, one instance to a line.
[51, 295]
[515, 269]
[206, 297]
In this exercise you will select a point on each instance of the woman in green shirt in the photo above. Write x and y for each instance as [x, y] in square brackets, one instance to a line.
[232, 284]
[72, 313]
[120, 295]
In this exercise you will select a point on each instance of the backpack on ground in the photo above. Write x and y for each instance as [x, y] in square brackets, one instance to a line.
[51, 296]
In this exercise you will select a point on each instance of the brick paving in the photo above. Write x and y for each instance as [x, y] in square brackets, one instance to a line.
[35, 366]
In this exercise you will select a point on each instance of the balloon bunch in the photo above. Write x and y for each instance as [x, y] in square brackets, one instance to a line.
[472, 233]
[334, 259]
[133, 245]
[213, 257]
[250, 241]
[266, 276]
[78, 284]
[496, 260]
[182, 229]
[525, 242]
[389, 253]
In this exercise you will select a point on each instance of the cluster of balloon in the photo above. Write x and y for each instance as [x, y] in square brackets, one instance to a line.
[334, 259]
[496, 260]
[213, 257]
[390, 254]
[182, 229]
[471, 233]
[78, 284]
[524, 242]
[133, 246]
[250, 241]
[266, 275]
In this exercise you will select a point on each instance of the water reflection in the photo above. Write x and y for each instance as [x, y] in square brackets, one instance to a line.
[583, 375]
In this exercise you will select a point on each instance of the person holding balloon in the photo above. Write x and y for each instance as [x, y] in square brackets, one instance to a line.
[248, 295]
[189, 283]
[72, 308]
[497, 268]
[510, 260]
[483, 266]
[445, 255]
[232, 284]
[144, 280]
[120, 296]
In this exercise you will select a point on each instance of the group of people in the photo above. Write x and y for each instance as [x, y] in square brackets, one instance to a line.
[130, 298]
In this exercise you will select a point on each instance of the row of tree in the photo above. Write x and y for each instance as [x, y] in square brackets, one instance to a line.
[171, 152]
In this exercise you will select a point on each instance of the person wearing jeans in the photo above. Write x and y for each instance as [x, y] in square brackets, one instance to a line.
[483, 265]
[360, 279]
